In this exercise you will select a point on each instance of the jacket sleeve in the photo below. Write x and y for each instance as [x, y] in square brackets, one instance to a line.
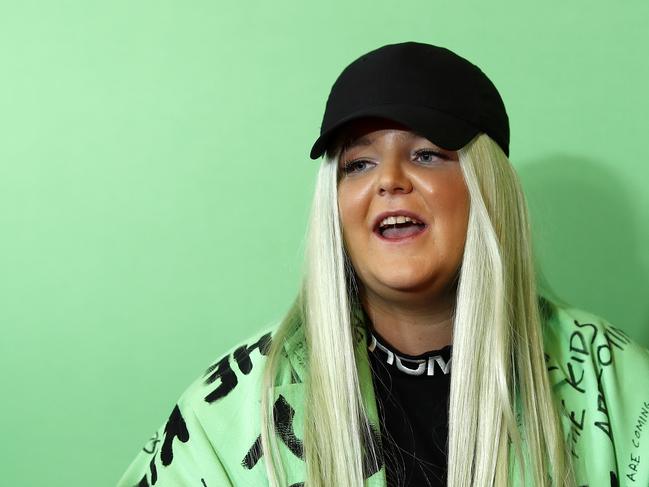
[178, 454]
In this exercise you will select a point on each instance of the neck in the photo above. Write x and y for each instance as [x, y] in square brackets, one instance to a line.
[412, 328]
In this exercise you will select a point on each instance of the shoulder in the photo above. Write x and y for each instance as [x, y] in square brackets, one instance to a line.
[213, 428]
[234, 379]
[230, 386]
[600, 380]
[575, 336]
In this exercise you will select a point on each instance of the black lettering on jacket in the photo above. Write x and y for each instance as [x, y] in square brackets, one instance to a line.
[222, 370]
[174, 428]
[284, 414]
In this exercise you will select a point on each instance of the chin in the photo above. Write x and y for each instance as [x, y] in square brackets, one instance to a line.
[404, 282]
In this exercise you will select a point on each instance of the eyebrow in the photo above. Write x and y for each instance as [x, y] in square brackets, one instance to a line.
[364, 141]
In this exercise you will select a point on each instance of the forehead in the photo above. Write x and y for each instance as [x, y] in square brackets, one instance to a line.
[359, 132]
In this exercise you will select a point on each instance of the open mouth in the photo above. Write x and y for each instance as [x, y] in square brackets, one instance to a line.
[401, 230]
[398, 231]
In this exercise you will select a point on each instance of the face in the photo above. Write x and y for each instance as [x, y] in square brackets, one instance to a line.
[386, 170]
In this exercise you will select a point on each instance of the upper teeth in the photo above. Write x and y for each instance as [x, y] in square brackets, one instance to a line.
[391, 220]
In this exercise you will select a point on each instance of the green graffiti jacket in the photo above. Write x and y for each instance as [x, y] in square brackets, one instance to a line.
[599, 377]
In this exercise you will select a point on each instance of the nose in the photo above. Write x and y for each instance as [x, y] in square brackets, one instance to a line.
[392, 177]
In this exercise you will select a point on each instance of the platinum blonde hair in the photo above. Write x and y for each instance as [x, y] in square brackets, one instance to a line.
[503, 420]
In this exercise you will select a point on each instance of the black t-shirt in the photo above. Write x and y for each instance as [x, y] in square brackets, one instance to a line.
[412, 397]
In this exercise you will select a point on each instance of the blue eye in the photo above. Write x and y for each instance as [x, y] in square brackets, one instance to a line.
[353, 166]
[427, 152]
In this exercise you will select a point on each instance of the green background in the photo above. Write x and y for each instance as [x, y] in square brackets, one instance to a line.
[155, 185]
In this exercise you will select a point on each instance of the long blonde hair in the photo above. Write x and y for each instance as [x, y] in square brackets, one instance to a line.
[500, 400]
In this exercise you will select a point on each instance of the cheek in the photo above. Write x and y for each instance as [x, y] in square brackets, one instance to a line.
[352, 206]
[450, 203]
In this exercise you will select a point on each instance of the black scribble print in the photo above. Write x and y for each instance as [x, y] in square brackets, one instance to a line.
[143, 482]
[175, 428]
[283, 415]
[593, 349]
[581, 345]
[587, 325]
[616, 337]
[154, 475]
[633, 463]
[605, 426]
[578, 345]
[548, 359]
[573, 380]
[253, 455]
[223, 372]
[154, 472]
[643, 417]
[153, 441]
[242, 354]
[576, 427]
[203, 482]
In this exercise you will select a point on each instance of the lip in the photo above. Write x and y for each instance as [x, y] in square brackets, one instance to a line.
[379, 218]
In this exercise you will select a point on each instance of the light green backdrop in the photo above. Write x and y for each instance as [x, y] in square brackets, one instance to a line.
[155, 184]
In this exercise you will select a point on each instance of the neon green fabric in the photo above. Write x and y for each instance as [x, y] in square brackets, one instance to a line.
[599, 377]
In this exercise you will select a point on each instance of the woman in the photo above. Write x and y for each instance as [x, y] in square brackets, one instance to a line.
[419, 246]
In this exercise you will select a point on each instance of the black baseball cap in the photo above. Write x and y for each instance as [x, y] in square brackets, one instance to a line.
[429, 89]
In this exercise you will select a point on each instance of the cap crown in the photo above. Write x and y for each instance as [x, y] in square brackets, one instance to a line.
[451, 99]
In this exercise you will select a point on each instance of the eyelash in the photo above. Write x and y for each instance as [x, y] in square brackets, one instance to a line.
[346, 168]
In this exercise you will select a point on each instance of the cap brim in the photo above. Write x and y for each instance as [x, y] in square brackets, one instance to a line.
[445, 131]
